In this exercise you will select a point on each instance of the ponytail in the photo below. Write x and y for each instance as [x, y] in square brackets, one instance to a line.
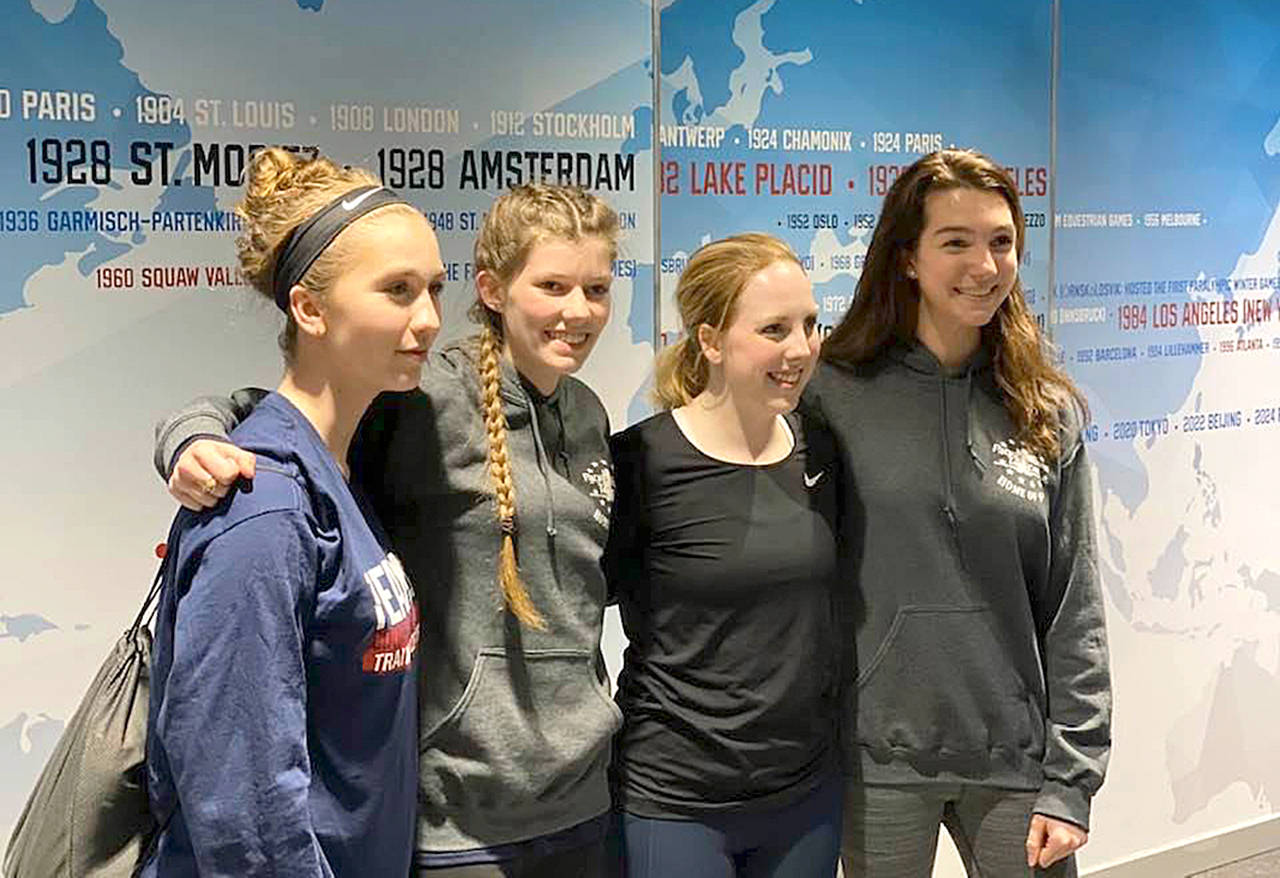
[681, 373]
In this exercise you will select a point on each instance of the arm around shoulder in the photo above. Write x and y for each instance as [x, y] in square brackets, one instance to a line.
[209, 417]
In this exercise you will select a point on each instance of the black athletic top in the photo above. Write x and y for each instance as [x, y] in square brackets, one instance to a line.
[724, 576]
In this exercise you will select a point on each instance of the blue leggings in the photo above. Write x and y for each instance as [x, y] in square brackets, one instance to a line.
[801, 840]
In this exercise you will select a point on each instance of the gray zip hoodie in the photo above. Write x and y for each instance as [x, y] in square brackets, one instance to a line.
[515, 724]
[979, 648]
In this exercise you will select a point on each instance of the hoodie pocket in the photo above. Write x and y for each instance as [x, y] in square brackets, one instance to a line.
[529, 730]
[941, 686]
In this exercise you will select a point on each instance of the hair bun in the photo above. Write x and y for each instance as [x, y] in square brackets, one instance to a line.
[272, 172]
[282, 189]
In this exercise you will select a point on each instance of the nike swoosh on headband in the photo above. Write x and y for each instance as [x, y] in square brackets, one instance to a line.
[353, 203]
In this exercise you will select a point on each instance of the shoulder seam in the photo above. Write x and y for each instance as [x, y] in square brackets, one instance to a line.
[295, 507]
[294, 511]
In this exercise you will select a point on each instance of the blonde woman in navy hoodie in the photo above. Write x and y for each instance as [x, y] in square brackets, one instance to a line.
[282, 735]
[980, 694]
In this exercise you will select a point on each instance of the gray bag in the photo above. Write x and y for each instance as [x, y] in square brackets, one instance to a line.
[88, 814]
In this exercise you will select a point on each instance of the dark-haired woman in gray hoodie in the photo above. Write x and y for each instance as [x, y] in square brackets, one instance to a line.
[980, 694]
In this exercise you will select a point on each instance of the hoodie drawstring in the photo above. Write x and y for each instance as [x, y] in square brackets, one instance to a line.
[970, 442]
[543, 462]
[949, 501]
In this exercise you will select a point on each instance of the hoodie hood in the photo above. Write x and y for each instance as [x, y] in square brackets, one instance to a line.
[518, 399]
[918, 358]
[955, 388]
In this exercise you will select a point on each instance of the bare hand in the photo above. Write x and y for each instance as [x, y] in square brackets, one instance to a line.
[1050, 839]
[206, 470]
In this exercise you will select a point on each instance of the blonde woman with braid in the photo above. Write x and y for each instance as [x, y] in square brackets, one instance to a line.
[723, 557]
[494, 481]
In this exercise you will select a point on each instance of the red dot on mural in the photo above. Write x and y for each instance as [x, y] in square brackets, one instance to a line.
[850, 184]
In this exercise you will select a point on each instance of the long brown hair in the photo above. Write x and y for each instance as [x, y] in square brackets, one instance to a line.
[515, 224]
[708, 293]
[885, 308]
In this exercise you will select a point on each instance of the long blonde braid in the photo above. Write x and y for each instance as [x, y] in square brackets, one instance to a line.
[514, 593]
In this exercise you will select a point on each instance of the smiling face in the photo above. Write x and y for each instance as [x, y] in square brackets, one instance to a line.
[554, 309]
[965, 265]
[383, 310]
[766, 354]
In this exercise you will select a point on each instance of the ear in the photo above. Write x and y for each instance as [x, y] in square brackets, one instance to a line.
[709, 340]
[491, 291]
[307, 311]
[908, 261]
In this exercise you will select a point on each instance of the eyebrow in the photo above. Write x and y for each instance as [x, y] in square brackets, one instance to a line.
[949, 230]
[779, 318]
[399, 272]
[556, 274]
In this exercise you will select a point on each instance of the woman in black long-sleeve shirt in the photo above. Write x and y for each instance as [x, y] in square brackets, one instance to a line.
[722, 556]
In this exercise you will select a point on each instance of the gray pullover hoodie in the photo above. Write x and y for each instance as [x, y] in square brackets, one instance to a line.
[979, 647]
[515, 724]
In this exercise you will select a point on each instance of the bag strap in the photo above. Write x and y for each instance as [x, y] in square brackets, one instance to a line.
[150, 605]
[147, 612]
[153, 844]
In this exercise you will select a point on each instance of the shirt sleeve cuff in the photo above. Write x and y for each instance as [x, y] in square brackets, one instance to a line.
[170, 448]
[1064, 803]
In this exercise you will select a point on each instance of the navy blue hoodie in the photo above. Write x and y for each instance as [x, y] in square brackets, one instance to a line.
[283, 721]
[515, 724]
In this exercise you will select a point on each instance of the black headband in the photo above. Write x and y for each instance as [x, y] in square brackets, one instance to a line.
[309, 239]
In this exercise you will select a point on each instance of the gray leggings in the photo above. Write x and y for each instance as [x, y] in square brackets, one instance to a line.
[892, 832]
